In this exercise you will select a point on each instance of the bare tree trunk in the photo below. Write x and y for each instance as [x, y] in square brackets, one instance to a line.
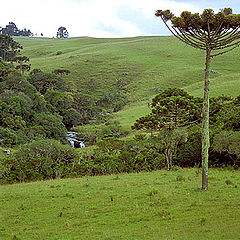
[205, 125]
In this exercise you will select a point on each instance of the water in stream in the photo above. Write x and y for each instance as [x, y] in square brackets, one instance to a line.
[74, 141]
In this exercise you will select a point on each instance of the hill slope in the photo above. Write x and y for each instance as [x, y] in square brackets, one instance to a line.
[142, 66]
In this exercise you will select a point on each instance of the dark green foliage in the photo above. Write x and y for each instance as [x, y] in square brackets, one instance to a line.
[51, 125]
[15, 81]
[170, 109]
[9, 48]
[228, 142]
[8, 137]
[22, 61]
[71, 117]
[189, 153]
[60, 100]
[116, 156]
[229, 116]
[12, 30]
[45, 159]
[45, 81]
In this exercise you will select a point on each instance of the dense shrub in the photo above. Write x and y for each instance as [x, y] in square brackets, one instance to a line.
[44, 159]
[51, 125]
[9, 137]
[116, 156]
[228, 143]
[189, 153]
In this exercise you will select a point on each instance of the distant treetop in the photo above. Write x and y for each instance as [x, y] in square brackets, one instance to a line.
[12, 30]
[62, 33]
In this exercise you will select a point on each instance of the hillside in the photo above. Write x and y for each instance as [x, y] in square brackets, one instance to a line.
[142, 66]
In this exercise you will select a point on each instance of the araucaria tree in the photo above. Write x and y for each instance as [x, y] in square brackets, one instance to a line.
[216, 34]
[171, 110]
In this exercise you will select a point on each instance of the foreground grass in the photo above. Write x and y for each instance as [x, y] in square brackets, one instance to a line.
[156, 205]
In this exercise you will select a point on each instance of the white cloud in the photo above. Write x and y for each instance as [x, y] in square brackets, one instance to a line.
[84, 17]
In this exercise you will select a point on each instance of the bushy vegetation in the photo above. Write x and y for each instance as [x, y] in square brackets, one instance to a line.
[42, 105]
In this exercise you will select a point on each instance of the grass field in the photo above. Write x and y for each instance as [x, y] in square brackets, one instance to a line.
[162, 204]
[145, 64]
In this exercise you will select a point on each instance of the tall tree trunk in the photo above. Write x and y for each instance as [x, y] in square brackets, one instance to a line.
[167, 155]
[205, 124]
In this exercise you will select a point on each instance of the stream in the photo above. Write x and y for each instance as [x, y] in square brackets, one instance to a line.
[74, 141]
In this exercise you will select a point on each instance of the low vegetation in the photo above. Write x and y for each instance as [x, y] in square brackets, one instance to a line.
[157, 205]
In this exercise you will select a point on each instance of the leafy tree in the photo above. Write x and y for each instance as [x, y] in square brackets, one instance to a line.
[9, 48]
[5, 69]
[228, 118]
[8, 137]
[44, 159]
[52, 125]
[15, 81]
[86, 105]
[62, 32]
[171, 110]
[60, 100]
[71, 117]
[11, 29]
[216, 34]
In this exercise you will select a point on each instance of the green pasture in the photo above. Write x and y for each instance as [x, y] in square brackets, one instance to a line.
[157, 205]
[144, 65]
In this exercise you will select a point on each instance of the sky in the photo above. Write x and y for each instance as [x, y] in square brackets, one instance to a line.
[100, 18]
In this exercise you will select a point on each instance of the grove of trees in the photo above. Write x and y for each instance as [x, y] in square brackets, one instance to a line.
[11, 29]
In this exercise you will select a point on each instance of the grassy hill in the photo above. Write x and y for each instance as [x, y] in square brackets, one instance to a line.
[142, 65]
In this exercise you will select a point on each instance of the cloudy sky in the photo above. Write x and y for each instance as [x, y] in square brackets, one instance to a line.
[99, 18]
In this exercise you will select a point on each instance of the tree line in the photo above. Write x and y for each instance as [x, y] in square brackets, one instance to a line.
[11, 29]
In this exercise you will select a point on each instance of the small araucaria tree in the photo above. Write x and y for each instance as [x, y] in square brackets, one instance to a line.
[216, 34]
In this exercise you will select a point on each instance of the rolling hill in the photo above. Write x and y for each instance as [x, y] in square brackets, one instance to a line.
[143, 66]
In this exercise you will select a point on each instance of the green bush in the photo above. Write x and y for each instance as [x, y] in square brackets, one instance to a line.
[52, 126]
[8, 137]
[44, 159]
[189, 153]
[228, 143]
[116, 156]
